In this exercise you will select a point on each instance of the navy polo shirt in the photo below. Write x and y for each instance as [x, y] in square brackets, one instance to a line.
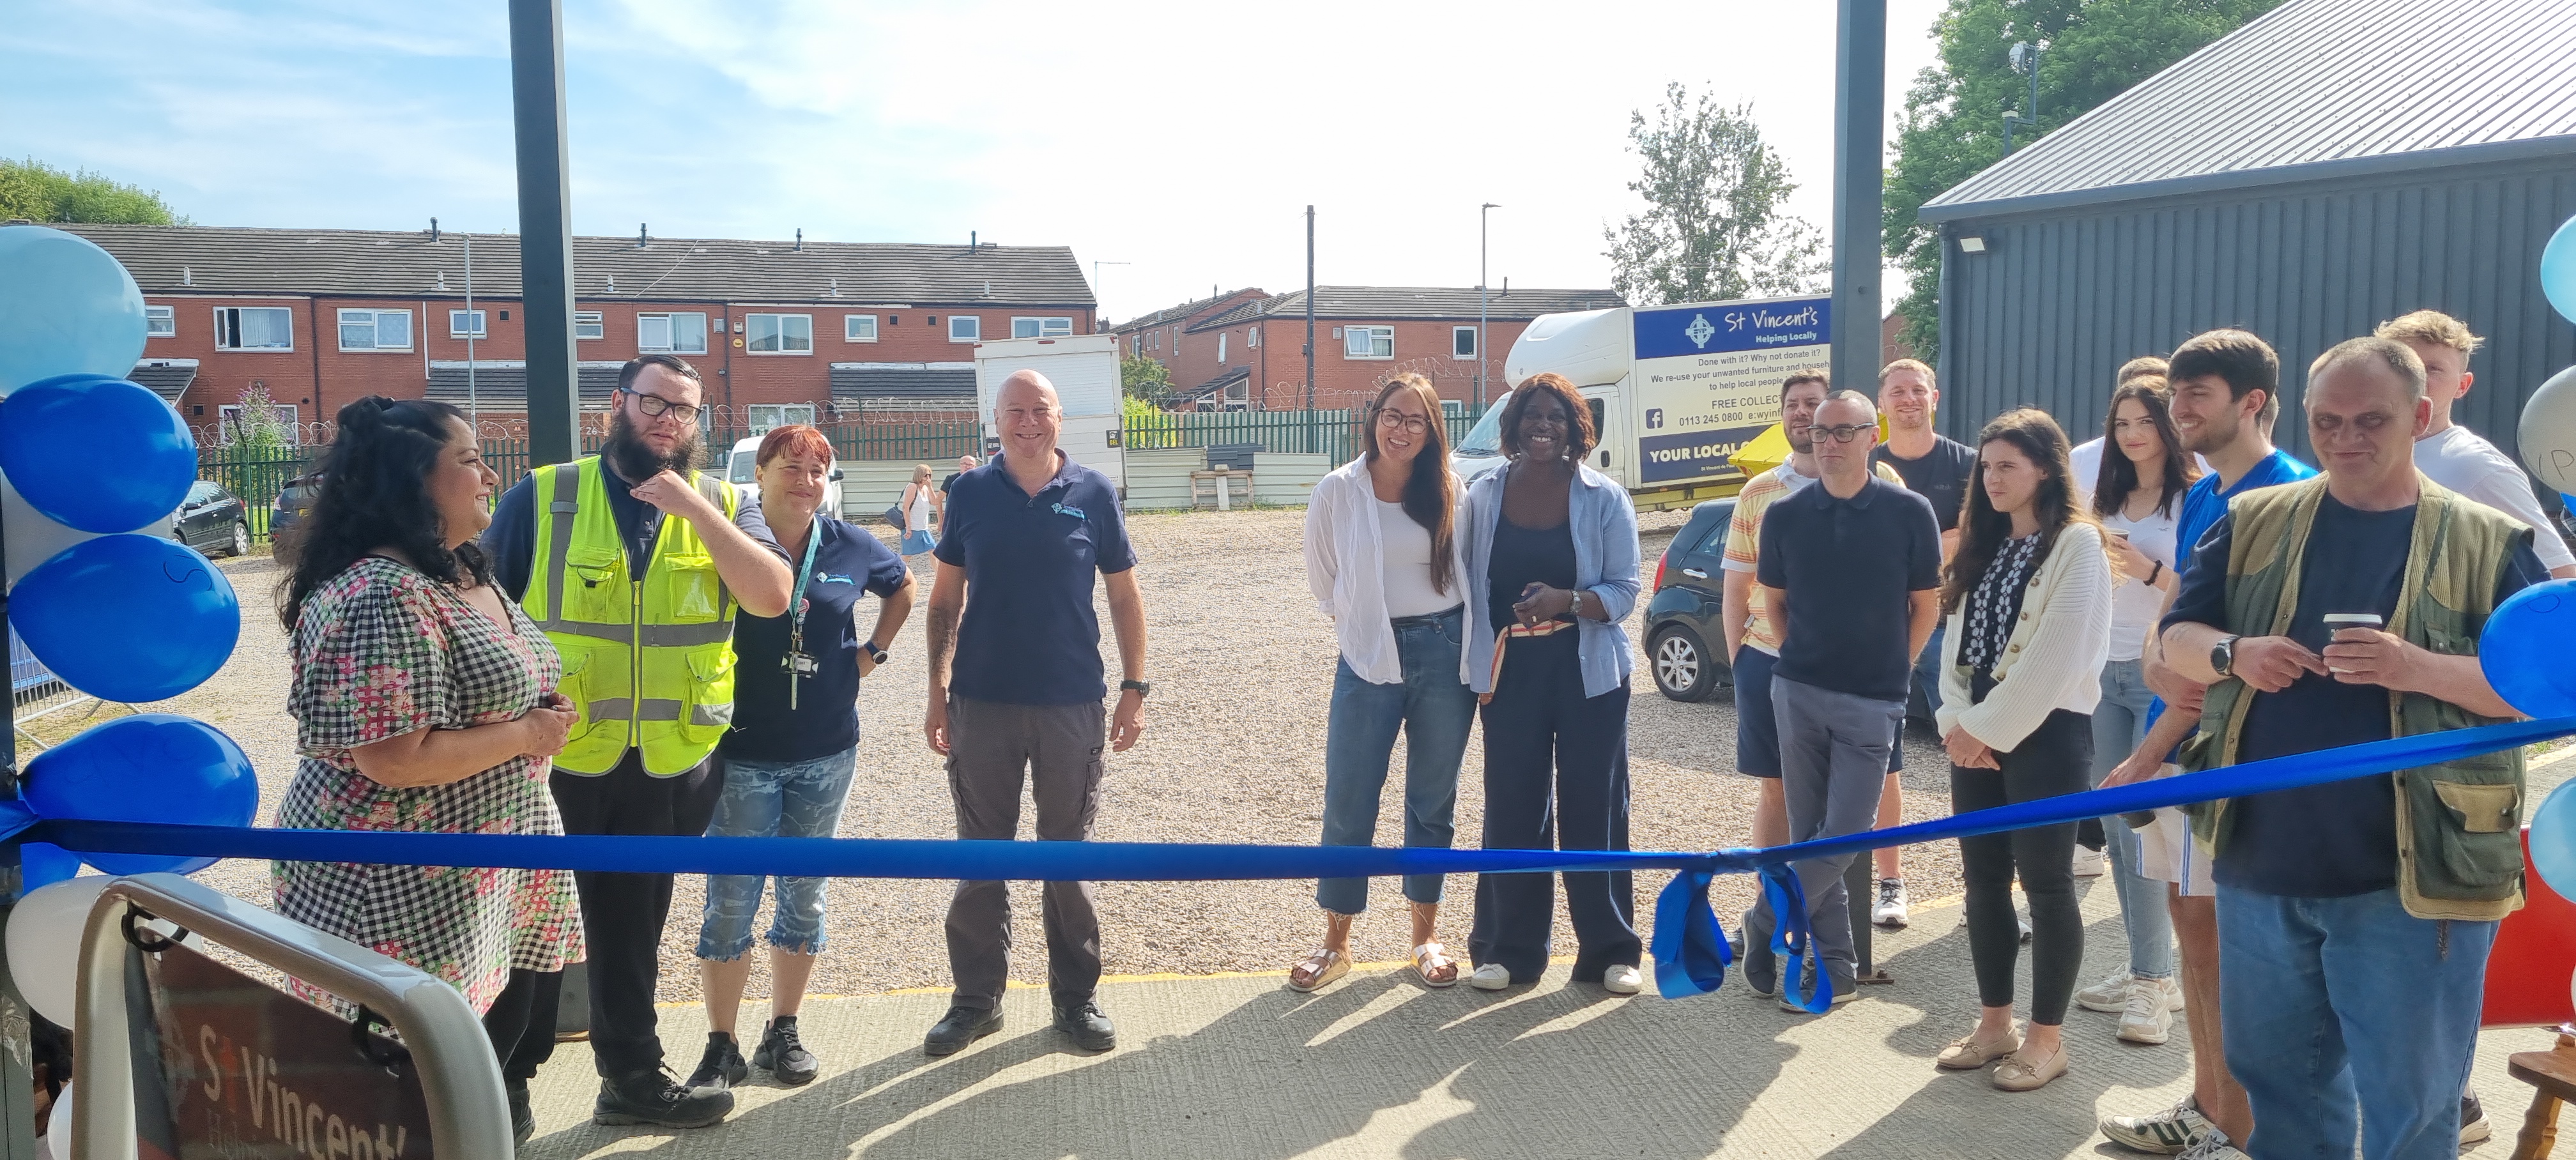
[848, 560]
[1851, 568]
[1029, 636]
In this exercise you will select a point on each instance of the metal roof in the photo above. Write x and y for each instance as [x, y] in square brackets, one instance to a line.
[2315, 89]
[904, 380]
[168, 377]
[407, 264]
[502, 384]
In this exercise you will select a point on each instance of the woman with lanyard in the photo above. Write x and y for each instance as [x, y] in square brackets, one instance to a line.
[792, 750]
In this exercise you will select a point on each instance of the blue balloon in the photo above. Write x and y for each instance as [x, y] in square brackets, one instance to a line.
[128, 618]
[66, 307]
[2558, 270]
[43, 864]
[2553, 839]
[55, 433]
[154, 767]
[2525, 647]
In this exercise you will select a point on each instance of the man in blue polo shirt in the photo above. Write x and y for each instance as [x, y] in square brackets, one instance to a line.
[1023, 697]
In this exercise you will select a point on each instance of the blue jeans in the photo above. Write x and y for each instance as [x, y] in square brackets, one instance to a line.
[1435, 710]
[2119, 725]
[1927, 678]
[2349, 1016]
[773, 799]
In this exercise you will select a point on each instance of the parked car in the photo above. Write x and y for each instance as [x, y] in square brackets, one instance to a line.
[212, 520]
[287, 511]
[742, 467]
[1683, 635]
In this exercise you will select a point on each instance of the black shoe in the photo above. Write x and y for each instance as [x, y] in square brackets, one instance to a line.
[722, 1066]
[1761, 965]
[2473, 1120]
[785, 1055]
[650, 1097]
[1088, 1027]
[959, 1027]
[523, 1115]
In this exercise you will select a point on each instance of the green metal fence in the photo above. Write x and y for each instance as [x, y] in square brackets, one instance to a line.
[1333, 433]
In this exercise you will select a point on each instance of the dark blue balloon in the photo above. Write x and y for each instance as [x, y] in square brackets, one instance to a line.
[43, 864]
[128, 618]
[154, 767]
[2525, 649]
[95, 452]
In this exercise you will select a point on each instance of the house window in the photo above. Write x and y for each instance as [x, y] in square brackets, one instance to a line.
[1041, 327]
[375, 330]
[676, 333]
[1462, 342]
[254, 328]
[1252, 337]
[1220, 347]
[858, 328]
[1368, 342]
[766, 417]
[587, 325]
[467, 324]
[230, 415]
[160, 321]
[965, 328]
[778, 333]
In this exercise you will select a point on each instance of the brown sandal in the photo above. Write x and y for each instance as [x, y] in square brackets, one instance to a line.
[1432, 962]
[1321, 966]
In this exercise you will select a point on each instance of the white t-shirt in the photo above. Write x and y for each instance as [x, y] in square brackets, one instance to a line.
[2084, 464]
[2457, 458]
[2134, 603]
[1404, 552]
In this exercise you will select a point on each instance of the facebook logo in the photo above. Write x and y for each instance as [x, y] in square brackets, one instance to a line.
[1654, 417]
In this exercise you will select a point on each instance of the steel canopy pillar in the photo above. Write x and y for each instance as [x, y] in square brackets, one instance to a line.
[545, 229]
[1860, 138]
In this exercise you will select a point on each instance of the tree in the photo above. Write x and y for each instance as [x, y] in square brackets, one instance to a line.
[39, 192]
[1146, 380]
[1712, 227]
[1952, 126]
[257, 433]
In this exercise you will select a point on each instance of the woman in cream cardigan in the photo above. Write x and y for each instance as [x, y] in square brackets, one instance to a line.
[2028, 598]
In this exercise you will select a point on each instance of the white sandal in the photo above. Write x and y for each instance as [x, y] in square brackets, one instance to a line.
[1432, 963]
[1326, 963]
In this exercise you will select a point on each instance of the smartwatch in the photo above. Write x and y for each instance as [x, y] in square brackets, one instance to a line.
[1141, 687]
[874, 653]
[2222, 656]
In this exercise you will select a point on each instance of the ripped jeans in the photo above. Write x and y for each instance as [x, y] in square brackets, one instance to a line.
[773, 799]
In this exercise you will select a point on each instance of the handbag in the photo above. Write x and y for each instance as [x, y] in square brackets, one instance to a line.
[894, 518]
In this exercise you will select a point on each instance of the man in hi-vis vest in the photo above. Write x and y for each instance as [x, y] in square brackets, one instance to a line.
[634, 563]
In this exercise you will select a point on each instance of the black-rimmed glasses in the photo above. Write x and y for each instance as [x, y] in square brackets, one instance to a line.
[655, 406]
[1395, 420]
[1843, 433]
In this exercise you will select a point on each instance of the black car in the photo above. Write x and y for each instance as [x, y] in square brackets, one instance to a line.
[1684, 643]
[212, 520]
[287, 511]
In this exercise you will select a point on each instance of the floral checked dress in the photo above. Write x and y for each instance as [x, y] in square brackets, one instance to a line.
[382, 650]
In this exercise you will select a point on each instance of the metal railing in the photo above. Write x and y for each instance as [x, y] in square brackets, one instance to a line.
[1332, 433]
[460, 1081]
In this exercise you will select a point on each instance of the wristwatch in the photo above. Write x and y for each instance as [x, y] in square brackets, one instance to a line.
[2222, 656]
[1141, 687]
[874, 653]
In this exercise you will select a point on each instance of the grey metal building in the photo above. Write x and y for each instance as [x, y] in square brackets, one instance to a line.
[2328, 166]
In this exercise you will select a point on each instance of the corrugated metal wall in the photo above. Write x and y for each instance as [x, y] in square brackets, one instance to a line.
[2060, 300]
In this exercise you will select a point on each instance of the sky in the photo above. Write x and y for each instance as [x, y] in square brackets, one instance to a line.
[1176, 145]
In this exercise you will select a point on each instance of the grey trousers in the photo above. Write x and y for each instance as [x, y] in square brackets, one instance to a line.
[992, 750]
[1833, 762]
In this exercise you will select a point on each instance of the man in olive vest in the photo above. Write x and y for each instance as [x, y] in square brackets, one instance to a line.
[2354, 917]
[634, 563]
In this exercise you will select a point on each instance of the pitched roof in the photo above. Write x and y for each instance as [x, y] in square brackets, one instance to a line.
[168, 377]
[900, 380]
[1400, 303]
[502, 384]
[1223, 380]
[406, 263]
[1183, 311]
[2313, 89]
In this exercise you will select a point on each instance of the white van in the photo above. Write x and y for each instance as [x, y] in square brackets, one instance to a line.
[1084, 369]
[744, 464]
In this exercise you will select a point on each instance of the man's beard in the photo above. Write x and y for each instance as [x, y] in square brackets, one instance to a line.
[2212, 439]
[635, 460]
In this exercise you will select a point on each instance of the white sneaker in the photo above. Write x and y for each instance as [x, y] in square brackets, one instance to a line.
[2149, 1016]
[2473, 1120]
[2089, 862]
[2110, 995]
[2169, 1132]
[2213, 1145]
[1622, 979]
[1890, 911]
[1490, 977]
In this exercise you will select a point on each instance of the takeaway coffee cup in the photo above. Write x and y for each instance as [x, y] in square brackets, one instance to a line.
[2338, 621]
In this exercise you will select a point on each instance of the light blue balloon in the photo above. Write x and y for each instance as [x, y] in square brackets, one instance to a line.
[2553, 839]
[54, 434]
[66, 307]
[128, 618]
[2558, 270]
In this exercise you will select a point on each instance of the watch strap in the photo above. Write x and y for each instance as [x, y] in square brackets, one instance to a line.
[1141, 688]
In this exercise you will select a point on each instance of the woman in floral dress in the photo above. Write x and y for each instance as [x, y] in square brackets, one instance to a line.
[425, 702]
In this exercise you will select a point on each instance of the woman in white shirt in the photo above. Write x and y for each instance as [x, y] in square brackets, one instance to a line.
[2138, 495]
[1382, 558]
[2029, 603]
[921, 503]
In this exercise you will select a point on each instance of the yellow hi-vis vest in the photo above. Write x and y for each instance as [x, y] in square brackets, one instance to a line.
[647, 664]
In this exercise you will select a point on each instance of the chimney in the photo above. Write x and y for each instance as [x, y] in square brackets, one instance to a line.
[970, 242]
[1507, 286]
[988, 288]
[433, 231]
[442, 282]
[836, 287]
[612, 283]
[187, 276]
[642, 239]
[800, 239]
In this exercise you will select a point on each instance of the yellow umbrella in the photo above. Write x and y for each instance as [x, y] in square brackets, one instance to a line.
[1771, 449]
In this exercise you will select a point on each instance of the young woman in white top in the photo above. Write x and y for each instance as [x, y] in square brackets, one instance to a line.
[921, 511]
[2138, 495]
[1382, 558]
[2029, 603]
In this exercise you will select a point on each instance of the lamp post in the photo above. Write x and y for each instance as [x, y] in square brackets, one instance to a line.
[1482, 213]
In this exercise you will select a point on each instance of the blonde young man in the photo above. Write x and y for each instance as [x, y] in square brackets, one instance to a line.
[2453, 455]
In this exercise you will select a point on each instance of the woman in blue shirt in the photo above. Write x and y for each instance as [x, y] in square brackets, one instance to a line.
[793, 747]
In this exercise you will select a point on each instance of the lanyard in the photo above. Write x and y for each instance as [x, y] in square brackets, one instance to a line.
[796, 613]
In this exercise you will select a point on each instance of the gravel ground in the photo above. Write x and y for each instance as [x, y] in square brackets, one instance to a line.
[1242, 669]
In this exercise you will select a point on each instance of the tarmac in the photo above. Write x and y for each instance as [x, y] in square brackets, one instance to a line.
[1377, 1065]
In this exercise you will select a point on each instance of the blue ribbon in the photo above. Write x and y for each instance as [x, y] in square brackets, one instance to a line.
[1690, 951]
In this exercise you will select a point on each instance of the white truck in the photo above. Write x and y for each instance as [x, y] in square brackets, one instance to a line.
[1675, 390]
[1084, 369]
